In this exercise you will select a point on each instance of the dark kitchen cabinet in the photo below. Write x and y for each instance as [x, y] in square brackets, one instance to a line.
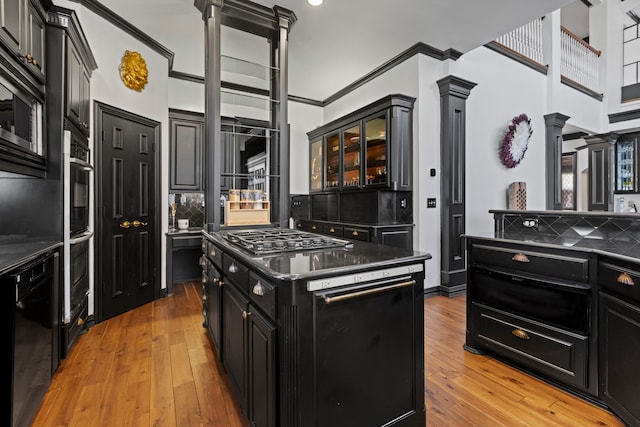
[398, 235]
[185, 150]
[183, 257]
[213, 283]
[248, 335]
[369, 148]
[552, 338]
[23, 32]
[620, 338]
[78, 89]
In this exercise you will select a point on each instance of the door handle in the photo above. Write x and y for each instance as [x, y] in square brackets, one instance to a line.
[137, 223]
[125, 224]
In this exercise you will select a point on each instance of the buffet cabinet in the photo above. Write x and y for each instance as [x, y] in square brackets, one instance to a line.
[533, 308]
[369, 148]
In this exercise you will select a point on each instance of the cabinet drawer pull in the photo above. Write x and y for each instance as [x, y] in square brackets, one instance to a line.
[520, 258]
[233, 268]
[245, 314]
[355, 233]
[216, 280]
[299, 225]
[338, 298]
[213, 253]
[625, 279]
[519, 333]
[313, 227]
[258, 289]
[332, 230]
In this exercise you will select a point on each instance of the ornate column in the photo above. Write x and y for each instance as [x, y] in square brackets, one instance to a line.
[553, 159]
[454, 92]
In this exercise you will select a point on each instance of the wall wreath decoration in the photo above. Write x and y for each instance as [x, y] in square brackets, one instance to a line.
[515, 141]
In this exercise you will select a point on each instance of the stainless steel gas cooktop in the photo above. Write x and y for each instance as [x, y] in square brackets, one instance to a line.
[261, 241]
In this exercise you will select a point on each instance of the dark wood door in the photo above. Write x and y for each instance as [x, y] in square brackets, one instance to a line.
[128, 221]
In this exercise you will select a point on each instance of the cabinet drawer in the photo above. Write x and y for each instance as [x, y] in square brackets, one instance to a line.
[620, 278]
[186, 242]
[549, 351]
[523, 260]
[356, 233]
[236, 272]
[263, 295]
[213, 253]
[332, 230]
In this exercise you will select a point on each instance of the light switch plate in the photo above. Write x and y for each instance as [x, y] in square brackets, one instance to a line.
[431, 202]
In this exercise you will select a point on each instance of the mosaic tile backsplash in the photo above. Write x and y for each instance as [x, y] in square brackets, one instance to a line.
[188, 206]
[624, 228]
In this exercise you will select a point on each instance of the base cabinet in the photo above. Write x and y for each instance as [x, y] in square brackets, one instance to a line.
[619, 355]
[392, 235]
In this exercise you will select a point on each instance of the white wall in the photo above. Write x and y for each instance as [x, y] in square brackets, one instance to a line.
[505, 89]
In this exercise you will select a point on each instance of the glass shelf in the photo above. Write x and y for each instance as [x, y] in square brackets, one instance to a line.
[626, 166]
[248, 73]
[244, 99]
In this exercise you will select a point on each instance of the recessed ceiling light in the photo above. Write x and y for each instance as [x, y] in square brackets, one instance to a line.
[315, 2]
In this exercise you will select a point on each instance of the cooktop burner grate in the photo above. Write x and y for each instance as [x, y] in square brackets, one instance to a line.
[277, 240]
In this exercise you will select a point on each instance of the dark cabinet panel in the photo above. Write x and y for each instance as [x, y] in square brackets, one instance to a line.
[185, 151]
[234, 336]
[13, 23]
[601, 169]
[262, 370]
[78, 95]
[35, 56]
[619, 355]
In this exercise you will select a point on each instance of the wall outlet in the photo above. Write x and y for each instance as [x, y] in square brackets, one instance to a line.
[530, 223]
[431, 202]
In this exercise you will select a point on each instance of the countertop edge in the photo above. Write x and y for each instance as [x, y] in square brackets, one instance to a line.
[556, 246]
[42, 248]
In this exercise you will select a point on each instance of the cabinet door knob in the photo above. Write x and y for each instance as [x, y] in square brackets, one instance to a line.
[519, 333]
[137, 223]
[625, 279]
[125, 224]
[520, 258]
[245, 314]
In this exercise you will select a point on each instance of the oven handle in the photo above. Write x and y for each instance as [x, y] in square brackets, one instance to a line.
[329, 300]
[83, 238]
[84, 165]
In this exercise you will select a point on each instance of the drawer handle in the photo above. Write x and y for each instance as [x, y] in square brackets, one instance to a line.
[332, 230]
[233, 268]
[258, 289]
[313, 227]
[338, 298]
[213, 252]
[355, 233]
[519, 333]
[203, 245]
[216, 280]
[245, 314]
[299, 225]
[203, 261]
[520, 258]
[625, 279]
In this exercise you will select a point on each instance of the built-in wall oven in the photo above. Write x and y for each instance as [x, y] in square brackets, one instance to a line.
[77, 241]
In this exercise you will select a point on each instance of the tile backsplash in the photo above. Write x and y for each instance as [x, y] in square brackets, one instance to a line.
[188, 206]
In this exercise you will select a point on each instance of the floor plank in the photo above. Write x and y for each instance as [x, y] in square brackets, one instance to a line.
[155, 366]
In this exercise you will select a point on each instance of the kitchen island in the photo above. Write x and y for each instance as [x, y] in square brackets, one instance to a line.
[321, 332]
[553, 293]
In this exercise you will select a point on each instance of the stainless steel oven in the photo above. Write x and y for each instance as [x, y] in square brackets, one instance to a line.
[77, 239]
[78, 184]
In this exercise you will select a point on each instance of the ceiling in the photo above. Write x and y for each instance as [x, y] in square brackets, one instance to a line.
[333, 45]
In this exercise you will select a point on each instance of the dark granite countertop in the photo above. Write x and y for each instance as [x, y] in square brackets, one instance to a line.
[188, 231]
[315, 263]
[624, 249]
[16, 250]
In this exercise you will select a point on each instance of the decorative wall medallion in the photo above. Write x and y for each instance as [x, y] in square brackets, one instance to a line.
[133, 70]
[515, 141]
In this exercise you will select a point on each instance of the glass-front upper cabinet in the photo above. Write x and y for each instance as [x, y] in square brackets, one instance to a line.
[351, 158]
[626, 165]
[332, 150]
[317, 165]
[375, 130]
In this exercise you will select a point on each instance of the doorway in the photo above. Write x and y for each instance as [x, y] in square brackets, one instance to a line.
[127, 218]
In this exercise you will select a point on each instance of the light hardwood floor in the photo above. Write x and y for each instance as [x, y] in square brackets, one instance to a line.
[154, 366]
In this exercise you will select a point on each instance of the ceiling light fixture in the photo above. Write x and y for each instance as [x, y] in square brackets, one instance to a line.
[315, 2]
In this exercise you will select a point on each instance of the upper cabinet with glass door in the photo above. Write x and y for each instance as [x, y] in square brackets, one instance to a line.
[370, 148]
[626, 164]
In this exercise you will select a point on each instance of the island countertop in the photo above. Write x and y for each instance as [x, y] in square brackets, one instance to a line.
[307, 264]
